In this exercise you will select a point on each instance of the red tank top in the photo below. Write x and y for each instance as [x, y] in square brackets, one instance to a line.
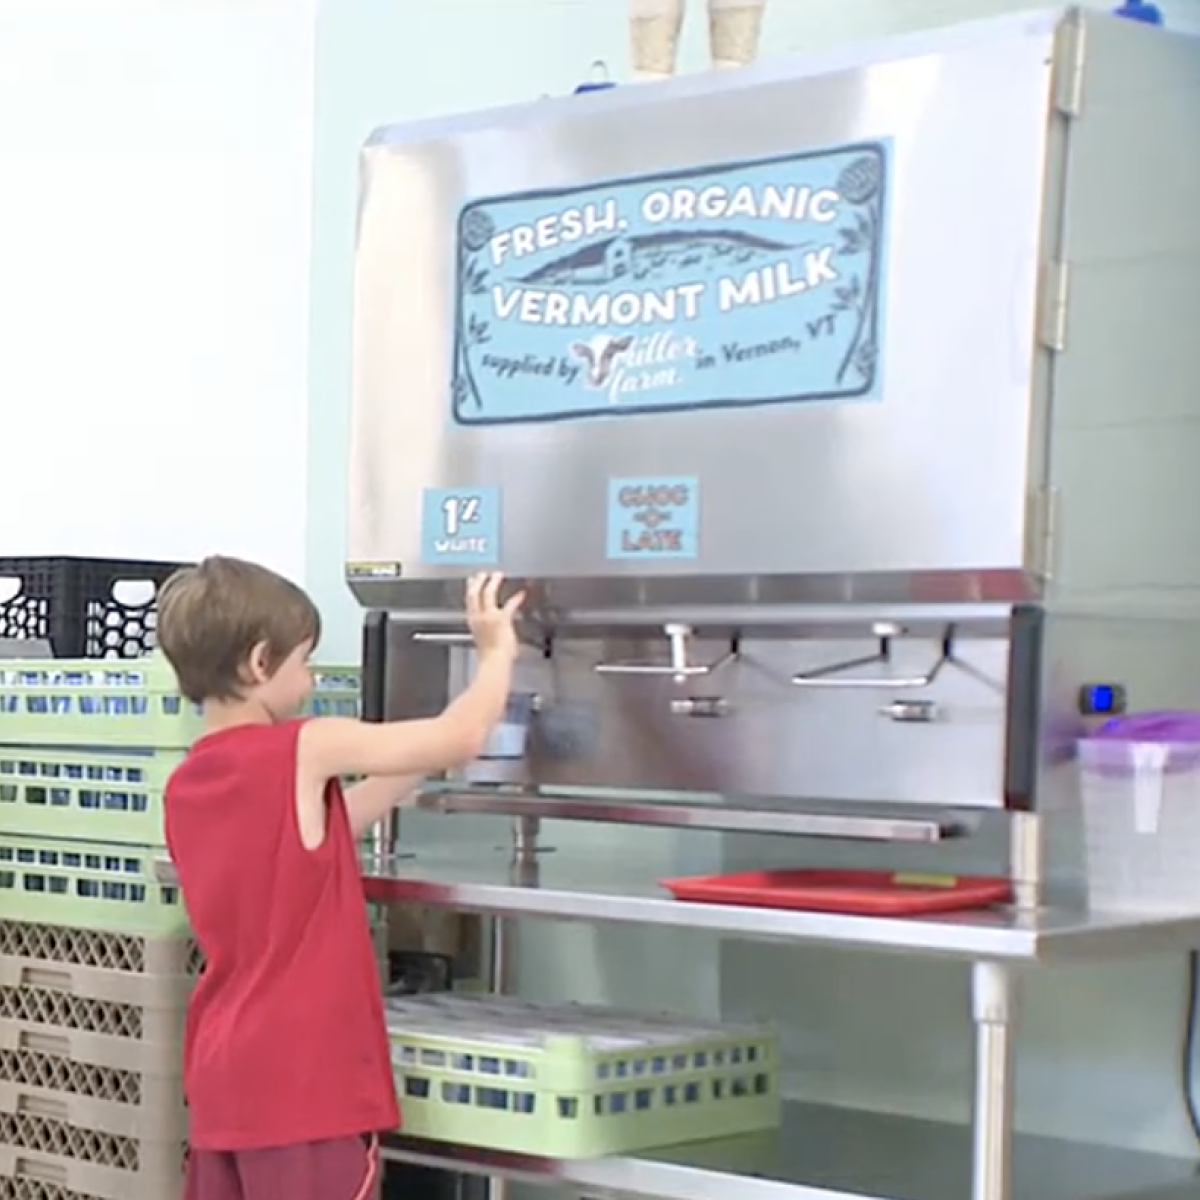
[285, 1041]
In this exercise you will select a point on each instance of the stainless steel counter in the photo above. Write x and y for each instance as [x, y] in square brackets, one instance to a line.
[834, 1154]
[570, 886]
[574, 887]
[820, 1153]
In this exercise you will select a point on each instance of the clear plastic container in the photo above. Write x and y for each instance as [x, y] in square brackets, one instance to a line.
[1141, 817]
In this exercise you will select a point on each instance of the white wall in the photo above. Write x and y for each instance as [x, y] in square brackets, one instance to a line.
[155, 218]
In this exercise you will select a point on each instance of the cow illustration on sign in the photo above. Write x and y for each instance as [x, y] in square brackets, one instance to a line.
[734, 30]
[600, 356]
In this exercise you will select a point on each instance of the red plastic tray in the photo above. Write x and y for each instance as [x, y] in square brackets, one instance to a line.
[861, 893]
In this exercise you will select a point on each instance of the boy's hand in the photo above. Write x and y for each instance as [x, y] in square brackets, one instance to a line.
[492, 624]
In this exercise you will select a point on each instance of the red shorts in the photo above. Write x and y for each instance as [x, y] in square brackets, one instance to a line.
[345, 1169]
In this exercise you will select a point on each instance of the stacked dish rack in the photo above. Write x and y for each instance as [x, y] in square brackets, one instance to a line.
[91, 1024]
[96, 957]
[576, 1081]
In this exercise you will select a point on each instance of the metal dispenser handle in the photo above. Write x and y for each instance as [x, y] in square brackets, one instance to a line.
[678, 668]
[833, 676]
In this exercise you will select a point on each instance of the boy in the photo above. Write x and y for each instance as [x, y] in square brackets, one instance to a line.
[287, 1072]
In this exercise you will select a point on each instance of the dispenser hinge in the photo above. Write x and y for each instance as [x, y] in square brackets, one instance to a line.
[1052, 306]
[1069, 57]
[1042, 531]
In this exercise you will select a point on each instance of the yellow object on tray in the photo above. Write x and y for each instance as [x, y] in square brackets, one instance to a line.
[574, 1081]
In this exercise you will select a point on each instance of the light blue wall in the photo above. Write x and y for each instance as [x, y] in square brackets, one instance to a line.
[1101, 1046]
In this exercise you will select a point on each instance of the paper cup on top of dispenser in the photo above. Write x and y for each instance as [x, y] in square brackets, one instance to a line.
[654, 27]
[734, 31]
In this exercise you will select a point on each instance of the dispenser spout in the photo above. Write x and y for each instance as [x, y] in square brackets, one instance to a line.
[677, 666]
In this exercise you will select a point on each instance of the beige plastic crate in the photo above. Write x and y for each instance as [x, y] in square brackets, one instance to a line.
[100, 1166]
[117, 968]
[148, 1042]
[36, 1189]
[103, 1099]
[93, 1031]
[101, 999]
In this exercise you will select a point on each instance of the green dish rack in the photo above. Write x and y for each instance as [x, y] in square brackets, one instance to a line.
[133, 704]
[105, 795]
[87, 885]
[575, 1081]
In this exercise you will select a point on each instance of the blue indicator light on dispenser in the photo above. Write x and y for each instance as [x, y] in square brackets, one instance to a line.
[1101, 699]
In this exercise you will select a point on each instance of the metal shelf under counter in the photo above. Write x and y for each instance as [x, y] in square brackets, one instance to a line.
[575, 887]
[820, 1153]
[823, 1153]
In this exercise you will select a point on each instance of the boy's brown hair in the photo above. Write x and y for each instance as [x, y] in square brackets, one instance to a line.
[211, 616]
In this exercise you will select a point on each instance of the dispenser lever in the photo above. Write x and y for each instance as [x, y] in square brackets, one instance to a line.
[833, 676]
[677, 668]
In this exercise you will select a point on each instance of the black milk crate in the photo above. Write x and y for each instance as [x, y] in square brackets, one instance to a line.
[76, 605]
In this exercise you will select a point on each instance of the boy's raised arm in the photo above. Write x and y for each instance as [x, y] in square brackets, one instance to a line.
[336, 746]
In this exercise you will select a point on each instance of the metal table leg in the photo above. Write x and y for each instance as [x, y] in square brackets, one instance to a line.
[501, 959]
[386, 842]
[499, 981]
[994, 988]
[1027, 858]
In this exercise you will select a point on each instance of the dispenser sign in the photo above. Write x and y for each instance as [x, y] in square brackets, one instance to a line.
[654, 518]
[460, 527]
[732, 285]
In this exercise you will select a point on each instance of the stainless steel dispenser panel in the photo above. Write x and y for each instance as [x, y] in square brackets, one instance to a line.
[610, 717]
[921, 482]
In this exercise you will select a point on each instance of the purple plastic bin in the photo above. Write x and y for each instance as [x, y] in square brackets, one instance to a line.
[1108, 750]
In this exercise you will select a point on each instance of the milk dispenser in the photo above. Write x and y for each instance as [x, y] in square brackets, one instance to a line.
[836, 414]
